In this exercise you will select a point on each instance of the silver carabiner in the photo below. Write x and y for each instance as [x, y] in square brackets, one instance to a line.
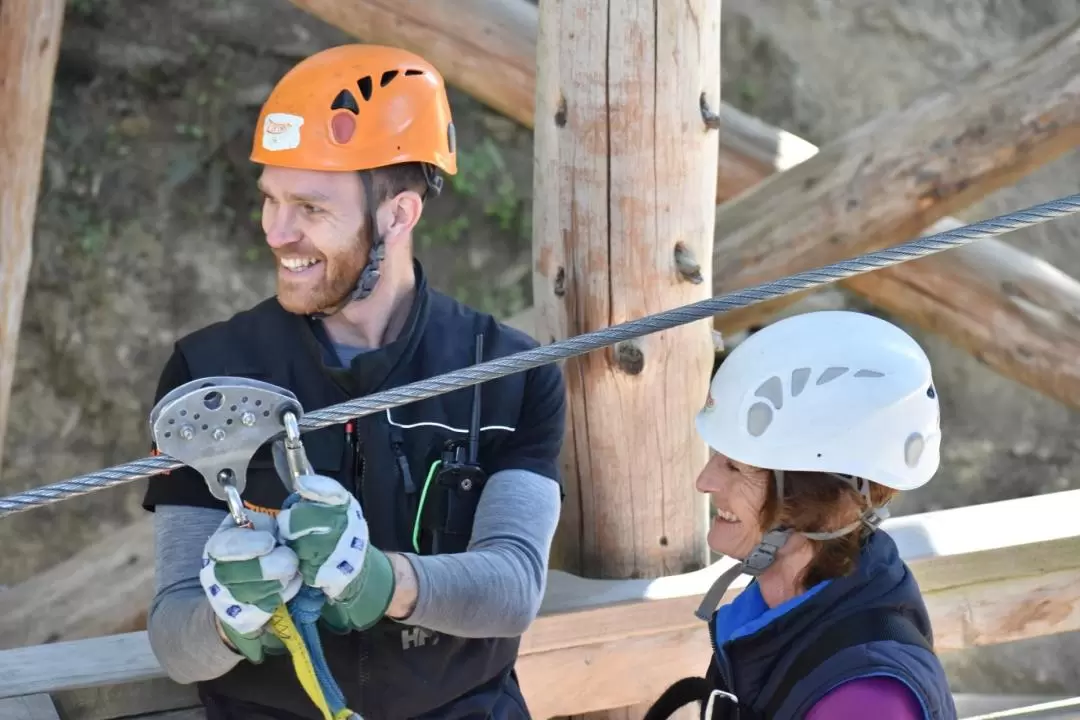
[292, 447]
[711, 704]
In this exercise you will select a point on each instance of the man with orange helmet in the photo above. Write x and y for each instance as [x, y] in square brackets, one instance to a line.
[424, 618]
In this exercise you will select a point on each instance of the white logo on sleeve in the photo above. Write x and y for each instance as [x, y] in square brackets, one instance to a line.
[281, 131]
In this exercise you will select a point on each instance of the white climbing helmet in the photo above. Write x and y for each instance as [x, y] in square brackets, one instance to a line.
[832, 391]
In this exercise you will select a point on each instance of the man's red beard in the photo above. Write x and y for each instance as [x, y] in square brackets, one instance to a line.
[323, 286]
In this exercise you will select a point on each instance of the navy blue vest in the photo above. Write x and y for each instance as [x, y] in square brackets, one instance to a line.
[391, 670]
[755, 647]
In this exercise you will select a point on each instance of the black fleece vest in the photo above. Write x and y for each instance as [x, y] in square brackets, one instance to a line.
[391, 670]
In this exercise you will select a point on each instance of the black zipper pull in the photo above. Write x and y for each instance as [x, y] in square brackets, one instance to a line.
[398, 446]
[352, 441]
[360, 476]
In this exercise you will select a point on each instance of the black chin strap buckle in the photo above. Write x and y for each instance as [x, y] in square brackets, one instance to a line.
[434, 181]
[759, 559]
[762, 556]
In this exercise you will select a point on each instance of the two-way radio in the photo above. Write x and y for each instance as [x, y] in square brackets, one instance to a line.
[459, 481]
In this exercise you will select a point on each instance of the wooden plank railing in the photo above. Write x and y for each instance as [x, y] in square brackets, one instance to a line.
[990, 574]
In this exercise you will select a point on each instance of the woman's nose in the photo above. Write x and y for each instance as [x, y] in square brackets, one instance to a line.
[702, 484]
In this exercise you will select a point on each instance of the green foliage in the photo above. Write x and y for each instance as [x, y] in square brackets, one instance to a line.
[483, 172]
[88, 9]
[483, 178]
[489, 224]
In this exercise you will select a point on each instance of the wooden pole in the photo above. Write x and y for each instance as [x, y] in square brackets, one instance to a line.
[624, 182]
[29, 44]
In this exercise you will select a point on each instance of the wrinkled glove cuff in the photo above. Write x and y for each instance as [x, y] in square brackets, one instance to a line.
[368, 597]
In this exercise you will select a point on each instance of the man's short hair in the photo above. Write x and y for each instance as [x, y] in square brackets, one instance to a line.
[393, 179]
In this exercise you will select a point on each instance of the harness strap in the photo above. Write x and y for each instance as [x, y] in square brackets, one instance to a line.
[679, 694]
[305, 664]
[864, 626]
[297, 628]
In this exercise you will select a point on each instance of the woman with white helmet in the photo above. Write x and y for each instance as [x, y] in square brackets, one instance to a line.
[815, 423]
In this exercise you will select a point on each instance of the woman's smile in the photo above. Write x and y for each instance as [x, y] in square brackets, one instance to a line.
[725, 515]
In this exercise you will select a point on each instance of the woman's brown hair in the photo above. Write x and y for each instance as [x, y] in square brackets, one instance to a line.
[817, 502]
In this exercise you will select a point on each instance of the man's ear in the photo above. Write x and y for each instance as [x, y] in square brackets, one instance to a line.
[399, 215]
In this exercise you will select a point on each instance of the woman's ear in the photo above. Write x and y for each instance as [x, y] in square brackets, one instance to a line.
[399, 215]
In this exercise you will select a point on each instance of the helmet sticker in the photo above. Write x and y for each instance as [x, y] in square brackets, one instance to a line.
[281, 131]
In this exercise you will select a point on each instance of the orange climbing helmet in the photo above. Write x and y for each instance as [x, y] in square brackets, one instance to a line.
[357, 107]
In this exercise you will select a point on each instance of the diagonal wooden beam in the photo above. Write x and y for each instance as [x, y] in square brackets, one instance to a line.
[887, 180]
[1018, 314]
[1015, 313]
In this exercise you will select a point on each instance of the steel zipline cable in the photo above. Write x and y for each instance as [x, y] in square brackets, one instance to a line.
[572, 347]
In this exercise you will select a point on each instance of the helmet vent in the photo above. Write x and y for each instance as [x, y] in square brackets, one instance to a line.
[758, 419]
[410, 73]
[387, 77]
[798, 380]
[346, 100]
[773, 391]
[760, 415]
[364, 84]
[831, 374]
[913, 449]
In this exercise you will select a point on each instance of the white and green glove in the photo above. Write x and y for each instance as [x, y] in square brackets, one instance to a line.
[246, 574]
[327, 531]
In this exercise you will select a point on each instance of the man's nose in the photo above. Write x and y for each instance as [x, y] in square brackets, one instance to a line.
[281, 228]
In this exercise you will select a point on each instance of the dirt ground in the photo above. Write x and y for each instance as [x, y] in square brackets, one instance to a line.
[148, 228]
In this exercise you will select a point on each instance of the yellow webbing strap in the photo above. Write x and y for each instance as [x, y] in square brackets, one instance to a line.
[281, 624]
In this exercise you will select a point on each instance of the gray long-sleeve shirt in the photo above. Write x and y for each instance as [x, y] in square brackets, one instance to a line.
[494, 589]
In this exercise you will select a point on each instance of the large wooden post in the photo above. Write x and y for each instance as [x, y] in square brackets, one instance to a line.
[29, 44]
[623, 206]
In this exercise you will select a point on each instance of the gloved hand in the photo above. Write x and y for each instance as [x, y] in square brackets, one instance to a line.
[327, 531]
[246, 574]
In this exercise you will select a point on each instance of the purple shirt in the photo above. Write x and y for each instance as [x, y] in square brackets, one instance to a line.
[889, 698]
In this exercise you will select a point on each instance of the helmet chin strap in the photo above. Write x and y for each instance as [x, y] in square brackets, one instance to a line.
[764, 553]
[371, 273]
